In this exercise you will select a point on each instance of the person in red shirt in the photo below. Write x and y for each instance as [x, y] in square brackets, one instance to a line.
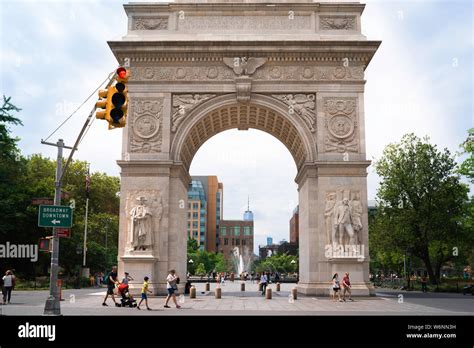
[346, 285]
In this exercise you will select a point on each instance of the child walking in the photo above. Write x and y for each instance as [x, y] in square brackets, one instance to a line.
[144, 292]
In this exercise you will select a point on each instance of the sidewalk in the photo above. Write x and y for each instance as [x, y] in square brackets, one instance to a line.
[235, 302]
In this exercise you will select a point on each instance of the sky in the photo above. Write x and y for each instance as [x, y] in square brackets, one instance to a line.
[53, 55]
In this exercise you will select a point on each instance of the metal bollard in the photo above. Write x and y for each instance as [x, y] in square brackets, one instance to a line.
[192, 292]
[218, 292]
[278, 287]
[294, 292]
[208, 286]
[268, 294]
[242, 286]
[260, 287]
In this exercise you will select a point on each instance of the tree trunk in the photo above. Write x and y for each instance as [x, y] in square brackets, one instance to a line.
[429, 269]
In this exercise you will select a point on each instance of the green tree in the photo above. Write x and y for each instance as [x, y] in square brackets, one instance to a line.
[466, 168]
[421, 202]
[201, 270]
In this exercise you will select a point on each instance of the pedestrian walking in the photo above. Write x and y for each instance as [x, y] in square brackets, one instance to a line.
[336, 287]
[222, 278]
[172, 287]
[144, 294]
[111, 281]
[263, 281]
[424, 283]
[346, 286]
[8, 285]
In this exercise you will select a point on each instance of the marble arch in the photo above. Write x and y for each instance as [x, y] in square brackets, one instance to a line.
[294, 69]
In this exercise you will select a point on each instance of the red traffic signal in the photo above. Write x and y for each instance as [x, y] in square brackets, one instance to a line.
[121, 72]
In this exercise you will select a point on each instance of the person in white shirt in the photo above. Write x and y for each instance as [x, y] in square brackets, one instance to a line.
[172, 285]
[127, 278]
[263, 281]
[8, 284]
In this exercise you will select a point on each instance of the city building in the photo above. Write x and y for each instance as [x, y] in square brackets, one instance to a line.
[268, 250]
[197, 213]
[205, 208]
[237, 234]
[294, 226]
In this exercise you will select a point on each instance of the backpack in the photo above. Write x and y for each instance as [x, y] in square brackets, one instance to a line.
[106, 279]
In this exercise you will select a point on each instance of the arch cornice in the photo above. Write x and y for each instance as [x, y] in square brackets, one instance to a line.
[257, 100]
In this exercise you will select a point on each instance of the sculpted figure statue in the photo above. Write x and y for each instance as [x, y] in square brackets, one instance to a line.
[343, 222]
[141, 226]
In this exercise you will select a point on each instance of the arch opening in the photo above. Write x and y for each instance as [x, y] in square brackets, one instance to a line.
[209, 120]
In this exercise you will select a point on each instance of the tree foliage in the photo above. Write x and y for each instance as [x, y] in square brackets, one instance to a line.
[421, 205]
[24, 178]
[277, 263]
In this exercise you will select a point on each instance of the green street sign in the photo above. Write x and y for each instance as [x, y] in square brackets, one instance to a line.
[54, 216]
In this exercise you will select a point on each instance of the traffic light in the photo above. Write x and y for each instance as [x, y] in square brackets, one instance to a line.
[104, 103]
[114, 101]
[45, 244]
[119, 99]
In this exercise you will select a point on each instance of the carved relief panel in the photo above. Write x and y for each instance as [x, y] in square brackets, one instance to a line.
[343, 223]
[144, 210]
[341, 126]
[183, 104]
[301, 105]
[146, 125]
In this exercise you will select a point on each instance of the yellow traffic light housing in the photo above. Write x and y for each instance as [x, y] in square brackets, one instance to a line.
[104, 103]
[114, 101]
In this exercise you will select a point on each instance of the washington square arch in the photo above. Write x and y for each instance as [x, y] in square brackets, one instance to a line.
[294, 69]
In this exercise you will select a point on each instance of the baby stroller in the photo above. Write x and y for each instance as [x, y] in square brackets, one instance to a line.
[127, 300]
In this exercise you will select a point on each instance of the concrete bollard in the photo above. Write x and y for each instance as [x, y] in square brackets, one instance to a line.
[278, 287]
[268, 294]
[294, 292]
[218, 292]
[242, 286]
[192, 292]
[208, 286]
[260, 287]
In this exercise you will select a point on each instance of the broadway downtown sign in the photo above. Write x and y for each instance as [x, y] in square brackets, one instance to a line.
[54, 216]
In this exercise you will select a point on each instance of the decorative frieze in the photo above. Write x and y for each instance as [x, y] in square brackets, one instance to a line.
[220, 72]
[302, 105]
[145, 125]
[340, 125]
[337, 23]
[150, 23]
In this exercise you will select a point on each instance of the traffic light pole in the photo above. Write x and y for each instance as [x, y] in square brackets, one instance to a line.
[52, 306]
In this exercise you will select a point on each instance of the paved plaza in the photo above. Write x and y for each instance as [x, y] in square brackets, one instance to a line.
[250, 302]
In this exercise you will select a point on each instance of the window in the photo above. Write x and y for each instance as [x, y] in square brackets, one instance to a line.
[195, 215]
[195, 224]
[244, 242]
[226, 241]
[236, 230]
[247, 231]
[189, 225]
[237, 241]
[189, 205]
[223, 231]
[233, 241]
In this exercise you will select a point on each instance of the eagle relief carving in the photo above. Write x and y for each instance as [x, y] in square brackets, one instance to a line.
[243, 65]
